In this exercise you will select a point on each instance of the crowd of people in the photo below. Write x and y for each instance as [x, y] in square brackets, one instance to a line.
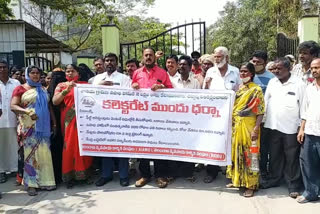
[275, 121]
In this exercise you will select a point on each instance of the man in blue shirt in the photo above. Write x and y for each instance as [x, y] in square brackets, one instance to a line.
[262, 77]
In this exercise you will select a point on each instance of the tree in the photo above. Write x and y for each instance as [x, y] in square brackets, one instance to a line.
[5, 10]
[84, 18]
[248, 25]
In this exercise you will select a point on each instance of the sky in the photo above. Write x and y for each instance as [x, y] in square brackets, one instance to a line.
[181, 11]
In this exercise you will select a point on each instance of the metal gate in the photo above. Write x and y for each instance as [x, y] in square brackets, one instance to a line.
[286, 45]
[41, 62]
[179, 40]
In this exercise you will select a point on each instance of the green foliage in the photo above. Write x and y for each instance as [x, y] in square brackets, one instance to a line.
[85, 17]
[249, 25]
[5, 11]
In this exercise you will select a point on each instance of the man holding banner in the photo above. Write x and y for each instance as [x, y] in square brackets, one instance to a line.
[154, 77]
[112, 78]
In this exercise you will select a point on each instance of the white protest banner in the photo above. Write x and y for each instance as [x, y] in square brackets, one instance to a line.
[184, 125]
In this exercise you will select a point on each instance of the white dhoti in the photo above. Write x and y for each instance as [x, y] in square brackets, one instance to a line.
[8, 150]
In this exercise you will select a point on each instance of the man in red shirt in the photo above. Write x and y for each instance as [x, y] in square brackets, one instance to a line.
[154, 77]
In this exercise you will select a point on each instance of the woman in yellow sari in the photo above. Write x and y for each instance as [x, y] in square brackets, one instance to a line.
[247, 115]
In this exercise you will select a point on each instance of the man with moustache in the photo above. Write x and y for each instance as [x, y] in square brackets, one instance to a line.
[283, 98]
[309, 137]
[111, 77]
[98, 64]
[172, 67]
[308, 50]
[223, 75]
[154, 77]
[131, 66]
[206, 62]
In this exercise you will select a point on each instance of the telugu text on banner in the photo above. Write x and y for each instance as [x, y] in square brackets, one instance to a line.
[184, 125]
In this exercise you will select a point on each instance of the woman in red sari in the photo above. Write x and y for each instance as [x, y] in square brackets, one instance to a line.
[74, 166]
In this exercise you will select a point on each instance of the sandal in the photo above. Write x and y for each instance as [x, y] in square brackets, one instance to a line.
[192, 179]
[162, 182]
[248, 193]
[230, 185]
[32, 191]
[208, 179]
[170, 179]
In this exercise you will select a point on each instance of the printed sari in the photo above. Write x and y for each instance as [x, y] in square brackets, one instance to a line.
[74, 166]
[38, 168]
[248, 105]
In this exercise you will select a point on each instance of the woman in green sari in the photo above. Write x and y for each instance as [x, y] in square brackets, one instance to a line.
[30, 102]
[247, 115]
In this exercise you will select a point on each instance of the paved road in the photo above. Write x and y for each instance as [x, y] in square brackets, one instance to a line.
[181, 197]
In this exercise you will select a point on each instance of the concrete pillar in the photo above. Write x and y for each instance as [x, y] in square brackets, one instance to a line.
[110, 39]
[308, 28]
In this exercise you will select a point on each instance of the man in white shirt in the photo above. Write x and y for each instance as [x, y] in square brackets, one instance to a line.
[310, 130]
[8, 124]
[172, 67]
[223, 75]
[283, 98]
[111, 77]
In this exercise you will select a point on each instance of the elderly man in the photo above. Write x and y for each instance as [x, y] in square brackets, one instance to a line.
[222, 76]
[284, 97]
[206, 62]
[112, 77]
[8, 125]
[309, 137]
[308, 50]
[154, 77]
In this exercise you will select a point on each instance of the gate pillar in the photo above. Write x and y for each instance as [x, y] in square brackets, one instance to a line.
[110, 39]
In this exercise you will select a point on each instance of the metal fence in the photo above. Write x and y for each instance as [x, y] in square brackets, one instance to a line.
[286, 45]
[179, 40]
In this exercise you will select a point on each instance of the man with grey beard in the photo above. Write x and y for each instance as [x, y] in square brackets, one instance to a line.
[223, 75]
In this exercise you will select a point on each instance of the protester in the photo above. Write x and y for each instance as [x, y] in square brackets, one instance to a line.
[151, 76]
[98, 63]
[131, 66]
[271, 66]
[30, 102]
[17, 74]
[172, 67]
[196, 67]
[48, 79]
[247, 115]
[206, 62]
[307, 50]
[0, 117]
[222, 76]
[43, 79]
[284, 98]
[74, 166]
[184, 81]
[309, 137]
[8, 124]
[262, 77]
[292, 60]
[57, 139]
[113, 78]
